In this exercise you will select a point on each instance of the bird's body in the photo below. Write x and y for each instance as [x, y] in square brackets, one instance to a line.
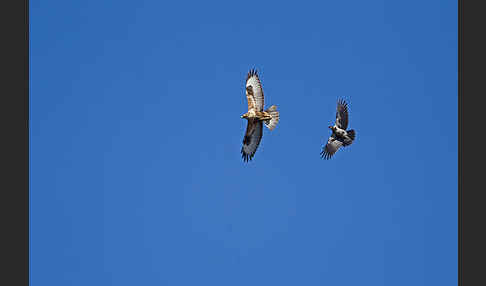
[341, 133]
[256, 116]
[340, 137]
[346, 137]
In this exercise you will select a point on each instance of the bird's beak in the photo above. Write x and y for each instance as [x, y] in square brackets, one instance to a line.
[241, 116]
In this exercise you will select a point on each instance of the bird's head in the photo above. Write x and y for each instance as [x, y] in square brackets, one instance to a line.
[331, 127]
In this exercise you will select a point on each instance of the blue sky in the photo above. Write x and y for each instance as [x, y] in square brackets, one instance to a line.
[136, 176]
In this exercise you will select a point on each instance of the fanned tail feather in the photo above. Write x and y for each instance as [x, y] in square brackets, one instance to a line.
[272, 110]
[351, 134]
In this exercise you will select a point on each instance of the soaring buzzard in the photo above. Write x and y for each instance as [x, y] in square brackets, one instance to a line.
[256, 116]
[340, 136]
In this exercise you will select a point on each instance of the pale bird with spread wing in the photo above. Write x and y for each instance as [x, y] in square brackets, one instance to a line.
[340, 136]
[256, 116]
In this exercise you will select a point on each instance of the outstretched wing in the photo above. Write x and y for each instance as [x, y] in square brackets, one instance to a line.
[342, 114]
[254, 91]
[253, 136]
[333, 144]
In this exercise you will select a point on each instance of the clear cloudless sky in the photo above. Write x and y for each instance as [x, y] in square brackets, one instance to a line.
[136, 176]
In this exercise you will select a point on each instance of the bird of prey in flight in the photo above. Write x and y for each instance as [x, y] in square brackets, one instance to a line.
[340, 137]
[256, 116]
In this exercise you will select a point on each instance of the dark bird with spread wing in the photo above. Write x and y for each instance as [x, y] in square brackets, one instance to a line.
[256, 116]
[340, 136]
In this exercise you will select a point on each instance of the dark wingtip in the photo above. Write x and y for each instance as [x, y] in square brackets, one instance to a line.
[246, 157]
[251, 73]
[325, 155]
[342, 102]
